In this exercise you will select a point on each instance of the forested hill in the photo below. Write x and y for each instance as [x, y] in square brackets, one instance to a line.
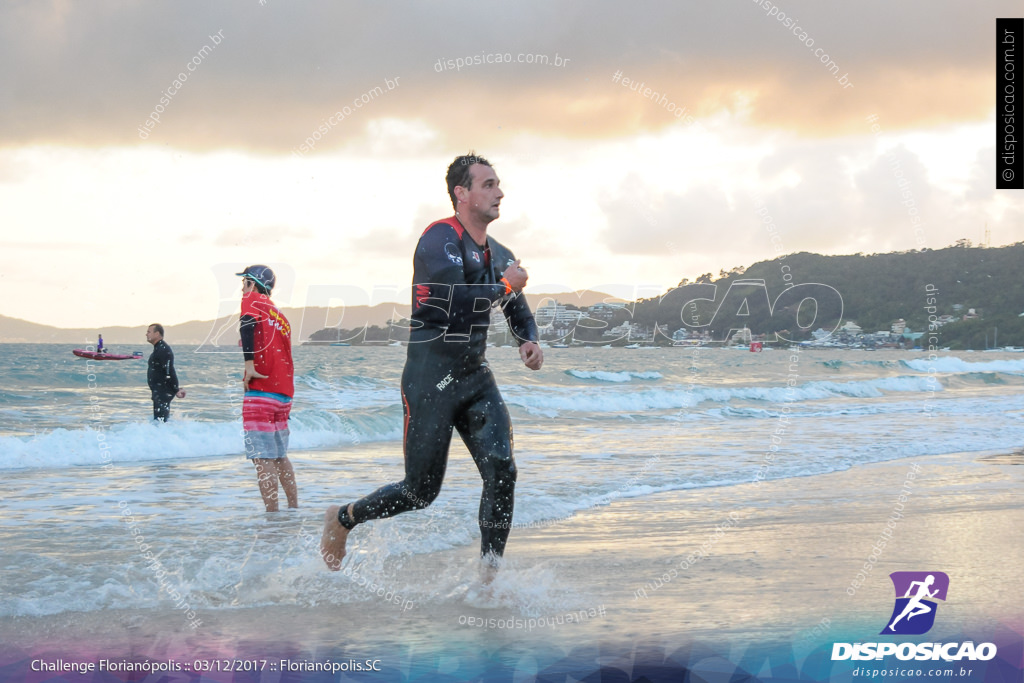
[872, 290]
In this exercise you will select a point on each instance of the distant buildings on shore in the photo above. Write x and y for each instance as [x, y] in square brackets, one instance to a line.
[558, 321]
[611, 323]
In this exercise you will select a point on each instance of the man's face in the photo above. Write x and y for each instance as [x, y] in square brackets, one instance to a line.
[152, 336]
[484, 195]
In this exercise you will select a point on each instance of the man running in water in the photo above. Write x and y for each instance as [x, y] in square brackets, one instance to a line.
[459, 273]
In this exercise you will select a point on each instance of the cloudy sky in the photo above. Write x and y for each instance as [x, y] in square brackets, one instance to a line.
[150, 149]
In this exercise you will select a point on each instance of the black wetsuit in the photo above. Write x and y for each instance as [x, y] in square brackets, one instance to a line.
[446, 382]
[163, 381]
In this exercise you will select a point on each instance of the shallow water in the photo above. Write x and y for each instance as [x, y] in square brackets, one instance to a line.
[116, 528]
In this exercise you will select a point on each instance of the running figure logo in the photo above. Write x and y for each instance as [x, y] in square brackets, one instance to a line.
[914, 612]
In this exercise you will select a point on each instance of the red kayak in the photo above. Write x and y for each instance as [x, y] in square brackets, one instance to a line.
[82, 353]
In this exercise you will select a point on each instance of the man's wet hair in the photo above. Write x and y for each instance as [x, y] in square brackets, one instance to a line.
[158, 328]
[458, 173]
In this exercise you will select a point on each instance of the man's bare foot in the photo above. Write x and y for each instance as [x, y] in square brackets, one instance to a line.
[489, 568]
[487, 573]
[332, 541]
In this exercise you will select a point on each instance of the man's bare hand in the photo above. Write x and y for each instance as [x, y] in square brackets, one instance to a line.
[516, 277]
[181, 394]
[532, 355]
[250, 373]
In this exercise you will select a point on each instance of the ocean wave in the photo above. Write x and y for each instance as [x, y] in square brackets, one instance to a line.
[326, 379]
[353, 416]
[348, 393]
[551, 401]
[184, 439]
[837, 364]
[617, 377]
[23, 398]
[952, 364]
[986, 377]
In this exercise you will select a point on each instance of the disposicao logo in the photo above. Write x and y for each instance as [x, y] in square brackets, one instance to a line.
[916, 592]
[914, 614]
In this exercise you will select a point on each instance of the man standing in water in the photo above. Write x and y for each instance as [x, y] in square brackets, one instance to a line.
[459, 273]
[162, 379]
[269, 386]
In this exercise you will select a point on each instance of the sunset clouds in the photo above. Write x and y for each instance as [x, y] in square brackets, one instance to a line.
[284, 142]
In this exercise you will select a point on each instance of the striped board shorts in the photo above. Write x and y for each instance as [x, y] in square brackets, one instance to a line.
[265, 424]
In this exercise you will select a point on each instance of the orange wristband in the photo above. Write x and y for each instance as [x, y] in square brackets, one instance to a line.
[508, 285]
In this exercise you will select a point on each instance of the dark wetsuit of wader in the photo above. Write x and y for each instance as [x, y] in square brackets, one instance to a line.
[446, 382]
[163, 381]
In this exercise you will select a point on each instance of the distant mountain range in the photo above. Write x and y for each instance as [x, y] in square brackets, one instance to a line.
[224, 331]
[873, 290]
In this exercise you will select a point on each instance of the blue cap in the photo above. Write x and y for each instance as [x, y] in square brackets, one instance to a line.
[261, 275]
